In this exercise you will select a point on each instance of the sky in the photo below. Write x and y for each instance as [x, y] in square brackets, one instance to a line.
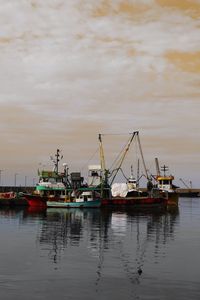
[71, 69]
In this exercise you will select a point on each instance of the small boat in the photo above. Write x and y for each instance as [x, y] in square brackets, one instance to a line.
[12, 199]
[7, 198]
[86, 199]
[165, 184]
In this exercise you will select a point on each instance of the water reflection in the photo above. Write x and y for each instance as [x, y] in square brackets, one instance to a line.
[103, 230]
[97, 248]
[100, 229]
[66, 228]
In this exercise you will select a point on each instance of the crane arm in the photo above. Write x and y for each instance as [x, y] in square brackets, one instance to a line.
[157, 166]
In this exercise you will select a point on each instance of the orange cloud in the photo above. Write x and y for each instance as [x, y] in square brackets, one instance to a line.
[186, 61]
[106, 8]
[5, 40]
[190, 7]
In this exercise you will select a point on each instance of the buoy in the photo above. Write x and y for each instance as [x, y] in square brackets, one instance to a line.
[139, 271]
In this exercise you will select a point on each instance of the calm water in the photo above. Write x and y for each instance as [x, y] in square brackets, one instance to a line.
[94, 254]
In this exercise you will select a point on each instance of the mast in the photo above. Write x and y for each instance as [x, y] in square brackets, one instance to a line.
[57, 155]
[102, 158]
[104, 177]
[157, 166]
[138, 172]
[123, 156]
[140, 147]
[164, 169]
[56, 161]
[121, 159]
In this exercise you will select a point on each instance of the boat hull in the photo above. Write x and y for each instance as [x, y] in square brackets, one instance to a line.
[6, 201]
[87, 204]
[36, 200]
[135, 202]
[173, 199]
[7, 198]
[12, 199]
[142, 202]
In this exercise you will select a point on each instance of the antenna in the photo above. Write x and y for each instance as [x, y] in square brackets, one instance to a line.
[132, 171]
[0, 176]
[58, 157]
[164, 169]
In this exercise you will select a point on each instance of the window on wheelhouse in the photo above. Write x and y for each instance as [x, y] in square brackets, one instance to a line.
[167, 181]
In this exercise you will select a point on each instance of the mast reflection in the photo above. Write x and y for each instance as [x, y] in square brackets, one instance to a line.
[100, 229]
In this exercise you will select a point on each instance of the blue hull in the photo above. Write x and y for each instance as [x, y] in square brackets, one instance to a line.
[86, 204]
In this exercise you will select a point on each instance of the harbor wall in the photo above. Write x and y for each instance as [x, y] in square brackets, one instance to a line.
[182, 191]
[25, 189]
[30, 189]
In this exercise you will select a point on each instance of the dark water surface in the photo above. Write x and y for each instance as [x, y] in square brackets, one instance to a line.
[95, 254]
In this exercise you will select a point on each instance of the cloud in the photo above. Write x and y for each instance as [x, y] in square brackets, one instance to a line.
[189, 7]
[187, 61]
[70, 70]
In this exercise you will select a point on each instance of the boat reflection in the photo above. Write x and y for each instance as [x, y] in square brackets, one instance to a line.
[101, 243]
[64, 228]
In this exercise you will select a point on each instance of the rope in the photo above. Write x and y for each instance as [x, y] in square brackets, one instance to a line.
[86, 164]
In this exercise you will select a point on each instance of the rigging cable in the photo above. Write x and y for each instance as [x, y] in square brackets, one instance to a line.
[92, 156]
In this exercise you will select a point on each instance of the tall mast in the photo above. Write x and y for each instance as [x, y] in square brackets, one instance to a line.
[57, 155]
[138, 171]
[140, 147]
[102, 158]
[157, 166]
[104, 177]
[123, 156]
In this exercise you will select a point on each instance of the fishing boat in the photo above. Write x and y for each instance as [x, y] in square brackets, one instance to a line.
[50, 187]
[165, 184]
[150, 201]
[86, 199]
[56, 189]
[128, 194]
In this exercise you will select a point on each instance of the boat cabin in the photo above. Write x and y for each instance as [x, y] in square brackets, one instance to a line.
[132, 183]
[165, 183]
[94, 175]
[85, 196]
[50, 183]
